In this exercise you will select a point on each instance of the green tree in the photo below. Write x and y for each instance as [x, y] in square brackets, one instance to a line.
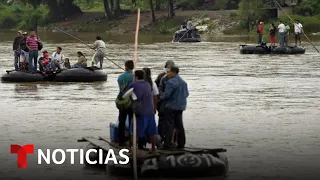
[170, 9]
[33, 3]
[153, 17]
[309, 8]
[158, 5]
[251, 11]
[61, 9]
[107, 10]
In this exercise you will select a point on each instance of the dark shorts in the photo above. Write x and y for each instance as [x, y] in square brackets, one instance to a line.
[298, 35]
[146, 125]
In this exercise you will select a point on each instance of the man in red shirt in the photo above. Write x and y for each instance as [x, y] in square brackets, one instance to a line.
[260, 32]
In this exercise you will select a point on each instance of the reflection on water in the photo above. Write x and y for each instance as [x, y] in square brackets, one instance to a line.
[264, 109]
[23, 88]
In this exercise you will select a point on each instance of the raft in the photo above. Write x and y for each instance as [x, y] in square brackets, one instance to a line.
[184, 35]
[189, 162]
[68, 75]
[263, 49]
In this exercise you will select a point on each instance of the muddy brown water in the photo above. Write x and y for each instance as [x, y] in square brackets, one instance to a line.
[263, 109]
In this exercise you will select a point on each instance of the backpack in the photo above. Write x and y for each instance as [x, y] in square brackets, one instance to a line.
[123, 103]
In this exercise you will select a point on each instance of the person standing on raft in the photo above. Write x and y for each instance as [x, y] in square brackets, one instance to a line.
[33, 42]
[286, 34]
[175, 95]
[100, 47]
[160, 82]
[272, 34]
[260, 33]
[298, 30]
[16, 50]
[281, 30]
[144, 108]
[24, 55]
[125, 110]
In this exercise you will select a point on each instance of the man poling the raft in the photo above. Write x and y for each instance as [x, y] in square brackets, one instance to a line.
[188, 33]
[97, 45]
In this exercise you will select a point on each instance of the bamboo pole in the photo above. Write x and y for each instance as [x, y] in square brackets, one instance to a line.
[134, 141]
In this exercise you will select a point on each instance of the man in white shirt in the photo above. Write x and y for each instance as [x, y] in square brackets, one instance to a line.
[281, 30]
[57, 59]
[298, 29]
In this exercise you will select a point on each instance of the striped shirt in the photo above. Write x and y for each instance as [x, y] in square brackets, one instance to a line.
[32, 42]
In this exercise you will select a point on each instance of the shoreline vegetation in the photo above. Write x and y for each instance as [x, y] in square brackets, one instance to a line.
[224, 17]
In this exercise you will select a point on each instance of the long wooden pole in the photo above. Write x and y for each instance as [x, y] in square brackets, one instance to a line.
[134, 141]
[294, 22]
[86, 45]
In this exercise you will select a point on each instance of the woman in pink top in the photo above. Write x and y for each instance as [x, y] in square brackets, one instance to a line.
[32, 44]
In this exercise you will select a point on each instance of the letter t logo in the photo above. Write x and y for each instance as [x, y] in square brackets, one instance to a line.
[22, 152]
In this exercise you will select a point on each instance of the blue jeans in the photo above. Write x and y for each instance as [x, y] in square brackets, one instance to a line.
[16, 59]
[260, 39]
[33, 59]
[281, 37]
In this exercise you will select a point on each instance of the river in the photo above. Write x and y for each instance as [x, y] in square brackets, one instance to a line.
[263, 109]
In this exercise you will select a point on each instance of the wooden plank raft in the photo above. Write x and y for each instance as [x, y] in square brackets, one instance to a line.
[105, 145]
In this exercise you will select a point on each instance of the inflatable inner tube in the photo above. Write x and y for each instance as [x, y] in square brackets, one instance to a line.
[189, 162]
[22, 76]
[81, 75]
[250, 49]
[288, 50]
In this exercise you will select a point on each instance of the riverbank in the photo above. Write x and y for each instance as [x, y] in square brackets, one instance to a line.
[208, 22]
[221, 22]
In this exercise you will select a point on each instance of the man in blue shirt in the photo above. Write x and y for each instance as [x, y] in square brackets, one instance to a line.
[124, 80]
[146, 123]
[175, 96]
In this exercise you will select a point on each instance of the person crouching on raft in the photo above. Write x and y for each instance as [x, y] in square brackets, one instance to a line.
[82, 61]
[100, 47]
[146, 123]
[44, 62]
[58, 59]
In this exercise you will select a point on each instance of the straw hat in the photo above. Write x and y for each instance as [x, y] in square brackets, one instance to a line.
[20, 31]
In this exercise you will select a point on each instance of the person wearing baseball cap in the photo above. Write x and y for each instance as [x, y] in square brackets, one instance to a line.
[160, 81]
[260, 33]
[16, 50]
[24, 52]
